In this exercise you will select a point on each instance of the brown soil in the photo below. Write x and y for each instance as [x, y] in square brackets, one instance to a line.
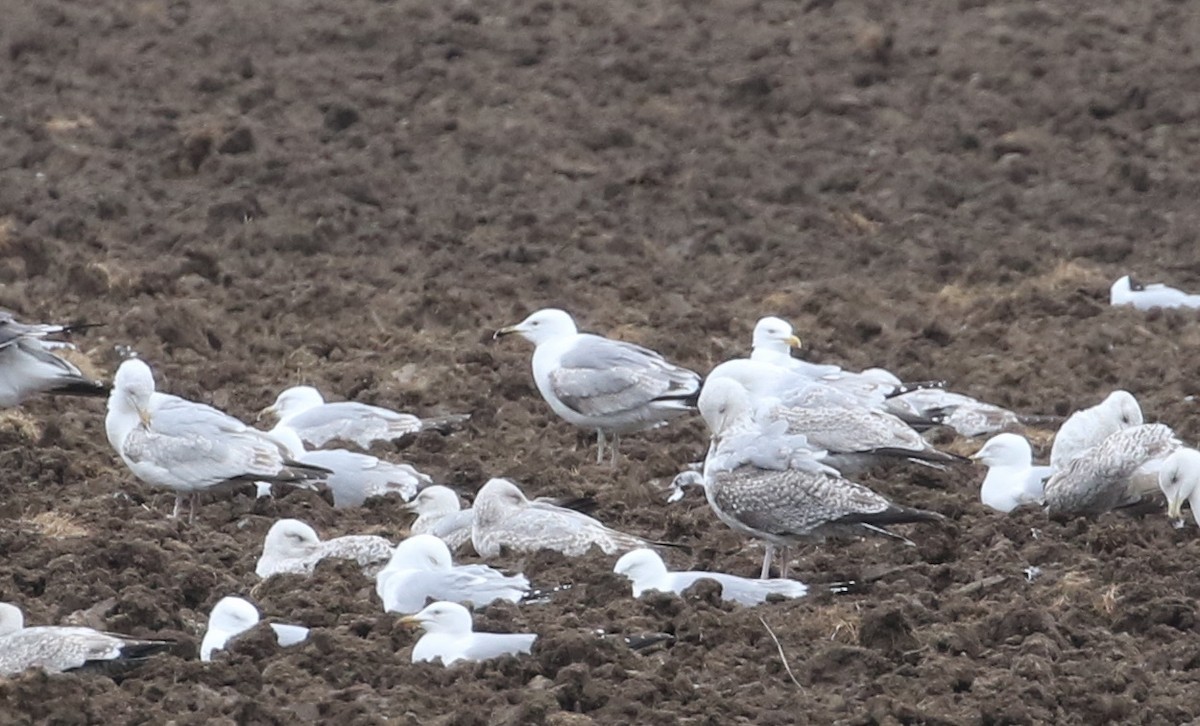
[356, 193]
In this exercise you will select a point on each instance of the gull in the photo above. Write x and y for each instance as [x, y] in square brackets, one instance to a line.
[231, 617]
[55, 649]
[1179, 479]
[1012, 479]
[188, 447]
[440, 514]
[505, 518]
[597, 383]
[421, 568]
[449, 637]
[293, 547]
[762, 484]
[968, 416]
[648, 573]
[29, 367]
[353, 477]
[1118, 472]
[1128, 291]
[304, 410]
[1088, 427]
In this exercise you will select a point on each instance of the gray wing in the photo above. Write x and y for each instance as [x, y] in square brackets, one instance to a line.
[357, 476]
[56, 649]
[1098, 480]
[600, 377]
[741, 590]
[544, 526]
[484, 646]
[850, 430]
[454, 528]
[792, 503]
[352, 421]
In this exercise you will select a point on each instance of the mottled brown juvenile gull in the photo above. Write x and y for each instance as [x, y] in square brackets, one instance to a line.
[449, 637]
[1012, 480]
[421, 569]
[231, 617]
[1089, 427]
[766, 488]
[440, 514]
[647, 571]
[1119, 472]
[291, 546]
[606, 385]
[505, 518]
[188, 447]
[1179, 479]
[967, 416]
[304, 410]
[55, 649]
[28, 365]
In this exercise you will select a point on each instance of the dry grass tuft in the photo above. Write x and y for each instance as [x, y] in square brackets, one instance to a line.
[65, 123]
[56, 525]
[16, 425]
[838, 622]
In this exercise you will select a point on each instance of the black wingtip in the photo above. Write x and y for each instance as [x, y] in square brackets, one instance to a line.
[82, 387]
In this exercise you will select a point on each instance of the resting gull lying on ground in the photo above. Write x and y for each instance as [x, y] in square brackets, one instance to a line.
[648, 572]
[1012, 479]
[293, 547]
[304, 410]
[188, 447]
[29, 367]
[231, 617]
[1128, 291]
[1118, 472]
[421, 568]
[439, 513]
[55, 649]
[1088, 427]
[449, 637]
[607, 385]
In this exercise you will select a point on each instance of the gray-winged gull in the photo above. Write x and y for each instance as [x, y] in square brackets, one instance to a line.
[1179, 479]
[28, 365]
[647, 571]
[763, 486]
[354, 477]
[505, 518]
[55, 649]
[421, 569]
[293, 547]
[303, 409]
[1088, 427]
[231, 617]
[1118, 472]
[188, 447]
[605, 385]
[1012, 480]
[439, 513]
[1128, 291]
[449, 637]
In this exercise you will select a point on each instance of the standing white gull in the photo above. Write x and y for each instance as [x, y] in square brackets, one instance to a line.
[1128, 291]
[421, 568]
[1179, 479]
[597, 383]
[55, 649]
[28, 367]
[449, 637]
[765, 486]
[505, 518]
[293, 547]
[648, 572]
[1118, 472]
[304, 410]
[1012, 479]
[1088, 427]
[440, 514]
[188, 447]
[231, 617]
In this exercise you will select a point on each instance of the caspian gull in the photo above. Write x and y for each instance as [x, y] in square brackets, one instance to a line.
[421, 569]
[606, 385]
[188, 447]
[1012, 480]
[449, 637]
[788, 500]
[293, 547]
[505, 518]
[55, 649]
[231, 617]
[646, 569]
[1088, 427]
[1118, 472]
[304, 410]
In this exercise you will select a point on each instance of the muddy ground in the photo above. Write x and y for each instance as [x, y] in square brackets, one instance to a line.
[356, 193]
